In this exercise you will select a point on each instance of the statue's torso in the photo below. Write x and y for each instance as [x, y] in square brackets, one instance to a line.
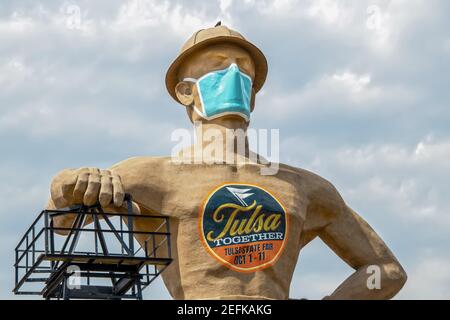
[258, 259]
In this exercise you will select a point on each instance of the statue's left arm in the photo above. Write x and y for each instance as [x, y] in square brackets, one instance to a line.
[354, 241]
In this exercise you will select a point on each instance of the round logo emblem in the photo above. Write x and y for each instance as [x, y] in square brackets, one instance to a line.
[243, 226]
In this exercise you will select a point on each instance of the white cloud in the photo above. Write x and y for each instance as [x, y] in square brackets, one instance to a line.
[44, 121]
[225, 4]
[17, 22]
[426, 153]
[343, 91]
[328, 11]
[354, 82]
[410, 182]
[355, 89]
[138, 13]
[428, 279]
[173, 18]
[14, 72]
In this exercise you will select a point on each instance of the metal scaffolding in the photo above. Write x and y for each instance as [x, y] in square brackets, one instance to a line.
[92, 262]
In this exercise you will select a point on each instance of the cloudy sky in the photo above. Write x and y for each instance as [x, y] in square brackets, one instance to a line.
[359, 90]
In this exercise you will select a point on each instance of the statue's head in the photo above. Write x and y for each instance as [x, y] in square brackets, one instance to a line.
[216, 76]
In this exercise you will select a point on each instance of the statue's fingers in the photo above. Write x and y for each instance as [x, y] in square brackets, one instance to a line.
[106, 188]
[118, 191]
[92, 190]
[60, 188]
[80, 187]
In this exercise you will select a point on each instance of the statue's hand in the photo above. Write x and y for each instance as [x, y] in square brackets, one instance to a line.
[87, 186]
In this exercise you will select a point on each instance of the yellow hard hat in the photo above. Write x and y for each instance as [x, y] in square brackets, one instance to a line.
[215, 35]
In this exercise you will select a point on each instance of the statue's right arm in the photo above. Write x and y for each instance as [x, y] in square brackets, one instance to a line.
[91, 185]
[85, 186]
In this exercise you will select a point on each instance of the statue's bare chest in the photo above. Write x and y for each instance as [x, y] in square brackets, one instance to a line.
[243, 219]
[191, 185]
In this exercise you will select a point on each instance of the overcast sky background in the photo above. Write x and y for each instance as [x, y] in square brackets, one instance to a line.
[359, 90]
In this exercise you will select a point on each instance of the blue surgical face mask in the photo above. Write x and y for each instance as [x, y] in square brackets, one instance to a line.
[224, 92]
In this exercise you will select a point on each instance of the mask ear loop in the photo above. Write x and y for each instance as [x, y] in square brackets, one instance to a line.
[193, 80]
[190, 80]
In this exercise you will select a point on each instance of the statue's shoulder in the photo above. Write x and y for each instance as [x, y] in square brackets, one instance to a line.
[324, 201]
[311, 182]
[140, 162]
[142, 167]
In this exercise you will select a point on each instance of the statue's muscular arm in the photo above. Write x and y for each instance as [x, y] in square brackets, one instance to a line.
[354, 241]
[139, 176]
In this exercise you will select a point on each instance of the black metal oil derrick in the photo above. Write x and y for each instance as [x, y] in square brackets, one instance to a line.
[56, 266]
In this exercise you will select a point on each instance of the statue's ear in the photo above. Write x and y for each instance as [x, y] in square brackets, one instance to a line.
[184, 92]
[252, 100]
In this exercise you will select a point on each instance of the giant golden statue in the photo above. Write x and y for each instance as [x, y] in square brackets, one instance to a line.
[236, 233]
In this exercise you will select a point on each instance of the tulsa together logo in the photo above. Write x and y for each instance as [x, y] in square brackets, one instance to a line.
[243, 226]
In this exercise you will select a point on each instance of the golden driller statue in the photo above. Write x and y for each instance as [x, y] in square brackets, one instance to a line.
[236, 233]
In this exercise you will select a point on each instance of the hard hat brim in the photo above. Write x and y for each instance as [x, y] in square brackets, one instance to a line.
[258, 58]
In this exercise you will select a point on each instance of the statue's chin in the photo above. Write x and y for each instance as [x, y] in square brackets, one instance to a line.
[229, 118]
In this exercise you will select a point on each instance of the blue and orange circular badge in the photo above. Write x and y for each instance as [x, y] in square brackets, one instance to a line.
[243, 226]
